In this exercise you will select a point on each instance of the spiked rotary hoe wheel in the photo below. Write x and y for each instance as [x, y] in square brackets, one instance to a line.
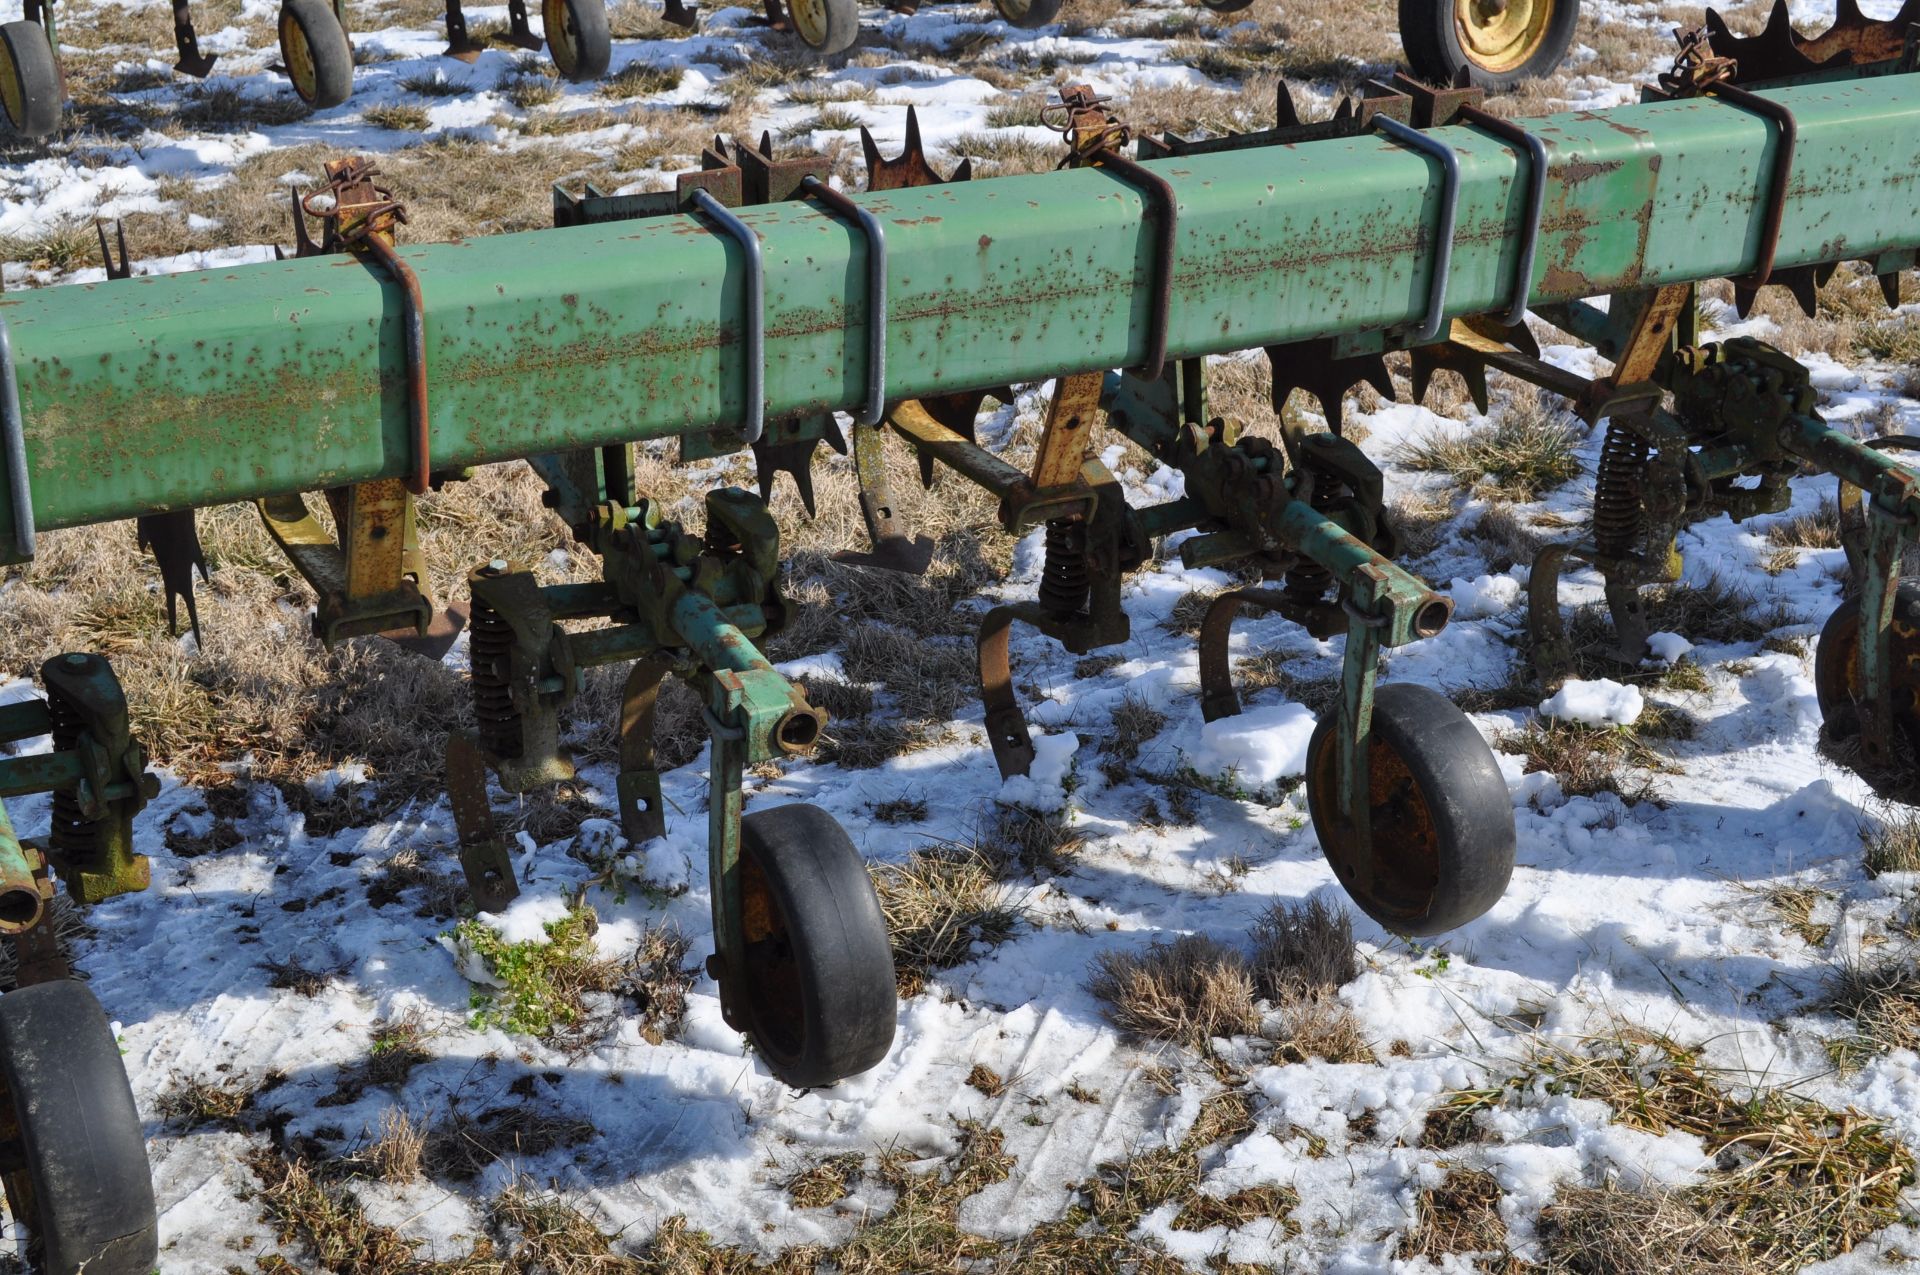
[1495, 44]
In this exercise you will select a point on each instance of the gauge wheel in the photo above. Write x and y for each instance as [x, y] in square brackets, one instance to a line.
[29, 79]
[1027, 14]
[75, 1155]
[818, 980]
[1498, 43]
[577, 37]
[1226, 6]
[1442, 843]
[314, 49]
[831, 26]
[1837, 683]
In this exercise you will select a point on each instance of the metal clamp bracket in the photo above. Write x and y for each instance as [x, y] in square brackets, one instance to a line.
[1776, 204]
[754, 321]
[13, 438]
[1159, 196]
[1536, 150]
[876, 404]
[1436, 316]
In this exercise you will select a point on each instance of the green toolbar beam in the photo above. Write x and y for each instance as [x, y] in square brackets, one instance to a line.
[164, 392]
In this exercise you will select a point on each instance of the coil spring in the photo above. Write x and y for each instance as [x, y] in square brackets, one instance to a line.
[73, 839]
[1065, 579]
[1617, 512]
[491, 654]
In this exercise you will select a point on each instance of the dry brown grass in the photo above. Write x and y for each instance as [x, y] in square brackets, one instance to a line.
[1528, 450]
[192, 1103]
[819, 1185]
[1795, 906]
[1879, 995]
[1610, 1231]
[1459, 1216]
[1794, 1181]
[460, 1147]
[940, 903]
[1189, 991]
[1587, 760]
[396, 1154]
[1303, 951]
[1817, 530]
[325, 1217]
[1891, 840]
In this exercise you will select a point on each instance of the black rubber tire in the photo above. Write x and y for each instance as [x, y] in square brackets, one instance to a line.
[1431, 37]
[1836, 683]
[584, 47]
[91, 1192]
[1442, 820]
[818, 987]
[1028, 14]
[31, 92]
[832, 30]
[321, 63]
[1226, 6]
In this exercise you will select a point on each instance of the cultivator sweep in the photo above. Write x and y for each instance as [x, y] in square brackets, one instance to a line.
[751, 302]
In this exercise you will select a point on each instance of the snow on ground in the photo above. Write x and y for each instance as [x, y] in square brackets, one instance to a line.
[1647, 913]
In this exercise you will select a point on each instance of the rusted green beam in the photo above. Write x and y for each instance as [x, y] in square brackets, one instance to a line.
[164, 392]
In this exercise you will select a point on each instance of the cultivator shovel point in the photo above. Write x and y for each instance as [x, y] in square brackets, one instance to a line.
[192, 61]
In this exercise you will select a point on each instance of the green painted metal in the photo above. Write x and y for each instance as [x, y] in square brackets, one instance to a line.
[166, 392]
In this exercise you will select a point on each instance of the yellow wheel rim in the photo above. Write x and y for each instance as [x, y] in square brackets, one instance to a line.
[561, 40]
[1499, 35]
[810, 20]
[11, 95]
[298, 55]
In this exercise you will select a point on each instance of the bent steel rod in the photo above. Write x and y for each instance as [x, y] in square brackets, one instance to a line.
[164, 392]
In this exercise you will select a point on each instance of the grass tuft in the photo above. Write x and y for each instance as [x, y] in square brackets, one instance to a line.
[1880, 997]
[1892, 842]
[1523, 454]
[940, 905]
[1190, 991]
[1459, 1216]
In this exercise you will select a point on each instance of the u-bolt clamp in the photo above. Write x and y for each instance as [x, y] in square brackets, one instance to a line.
[14, 440]
[1536, 150]
[753, 325]
[1436, 316]
[875, 406]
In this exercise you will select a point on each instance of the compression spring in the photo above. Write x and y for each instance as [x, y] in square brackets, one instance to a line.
[1065, 579]
[1617, 511]
[73, 839]
[491, 653]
